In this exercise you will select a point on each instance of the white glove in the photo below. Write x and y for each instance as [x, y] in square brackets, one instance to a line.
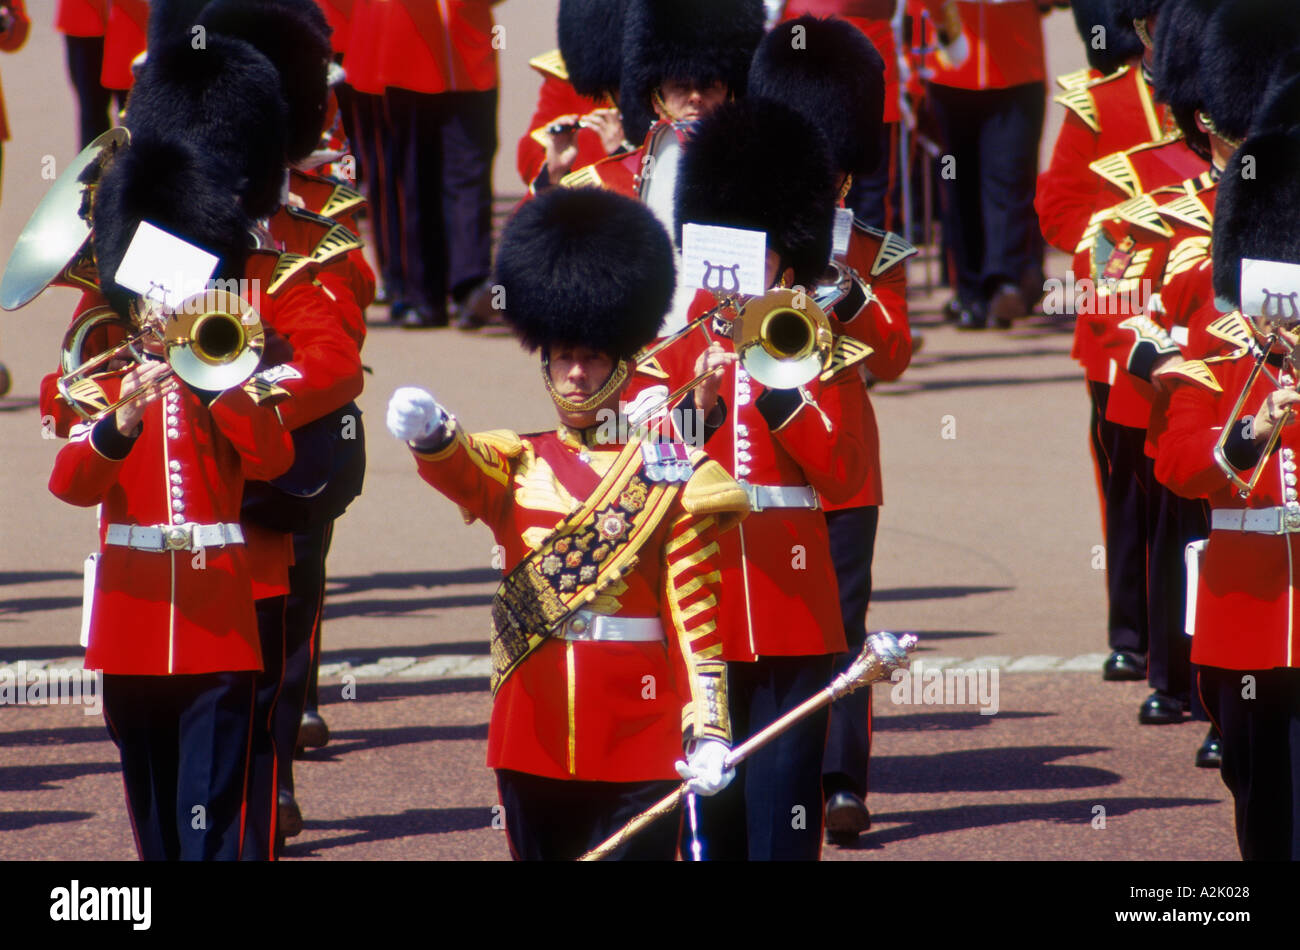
[414, 415]
[703, 771]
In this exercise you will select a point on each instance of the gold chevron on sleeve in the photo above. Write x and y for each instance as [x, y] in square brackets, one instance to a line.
[846, 352]
[551, 63]
[1075, 80]
[342, 200]
[1186, 255]
[893, 250]
[583, 178]
[1119, 171]
[286, 268]
[1080, 102]
[1197, 372]
[337, 242]
[1189, 209]
[1232, 328]
[261, 391]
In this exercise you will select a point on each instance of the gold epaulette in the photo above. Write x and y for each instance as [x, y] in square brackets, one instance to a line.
[1076, 79]
[263, 392]
[1191, 210]
[711, 491]
[1143, 212]
[846, 352]
[287, 267]
[1119, 171]
[1080, 102]
[337, 241]
[893, 249]
[586, 177]
[1232, 328]
[342, 200]
[1186, 255]
[551, 64]
[652, 368]
[1198, 372]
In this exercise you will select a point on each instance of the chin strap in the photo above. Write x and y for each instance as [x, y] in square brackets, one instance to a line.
[592, 402]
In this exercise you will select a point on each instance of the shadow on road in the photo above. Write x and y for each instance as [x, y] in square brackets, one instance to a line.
[359, 740]
[36, 577]
[383, 691]
[917, 824]
[45, 778]
[931, 593]
[988, 770]
[94, 732]
[944, 721]
[396, 607]
[28, 605]
[357, 656]
[412, 822]
[22, 820]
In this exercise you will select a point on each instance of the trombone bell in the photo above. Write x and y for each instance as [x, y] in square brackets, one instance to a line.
[783, 339]
[214, 340]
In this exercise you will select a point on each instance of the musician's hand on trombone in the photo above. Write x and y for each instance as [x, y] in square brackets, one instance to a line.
[714, 358]
[1271, 412]
[141, 381]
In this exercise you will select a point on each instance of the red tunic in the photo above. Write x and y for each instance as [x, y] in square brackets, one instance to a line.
[427, 46]
[339, 15]
[619, 173]
[124, 40]
[557, 98]
[581, 709]
[160, 613]
[1006, 44]
[1246, 608]
[81, 17]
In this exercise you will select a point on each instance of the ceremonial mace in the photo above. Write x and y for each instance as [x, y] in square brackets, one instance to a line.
[881, 655]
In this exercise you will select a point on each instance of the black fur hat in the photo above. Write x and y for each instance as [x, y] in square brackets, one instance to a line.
[224, 101]
[1130, 10]
[1249, 47]
[172, 19]
[295, 36]
[827, 71]
[1178, 65]
[697, 40]
[591, 41]
[178, 188]
[1118, 42]
[759, 165]
[586, 266]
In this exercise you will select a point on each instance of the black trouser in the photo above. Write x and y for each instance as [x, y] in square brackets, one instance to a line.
[287, 626]
[989, 223]
[848, 741]
[184, 743]
[772, 811]
[442, 150]
[1127, 498]
[1173, 522]
[371, 145]
[85, 57]
[550, 819]
[874, 197]
[1261, 755]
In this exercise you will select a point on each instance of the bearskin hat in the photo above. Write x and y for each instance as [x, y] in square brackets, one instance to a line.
[586, 266]
[224, 101]
[1254, 214]
[761, 166]
[1118, 40]
[827, 71]
[1178, 65]
[1130, 10]
[178, 188]
[685, 40]
[1248, 48]
[171, 19]
[295, 36]
[591, 41]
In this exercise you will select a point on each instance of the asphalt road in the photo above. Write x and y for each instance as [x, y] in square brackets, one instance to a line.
[986, 549]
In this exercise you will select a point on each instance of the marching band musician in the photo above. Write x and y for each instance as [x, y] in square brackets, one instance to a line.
[681, 60]
[836, 80]
[606, 647]
[758, 165]
[1245, 642]
[172, 625]
[577, 122]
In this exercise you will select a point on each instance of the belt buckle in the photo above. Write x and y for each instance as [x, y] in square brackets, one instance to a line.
[177, 537]
[1290, 520]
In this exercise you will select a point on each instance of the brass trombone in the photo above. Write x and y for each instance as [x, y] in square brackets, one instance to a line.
[1291, 360]
[212, 341]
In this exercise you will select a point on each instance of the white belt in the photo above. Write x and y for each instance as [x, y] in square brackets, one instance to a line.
[780, 496]
[173, 537]
[585, 625]
[1257, 520]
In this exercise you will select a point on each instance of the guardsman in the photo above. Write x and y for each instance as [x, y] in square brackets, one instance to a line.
[172, 625]
[606, 644]
[577, 122]
[836, 80]
[82, 23]
[792, 449]
[681, 60]
[436, 66]
[992, 102]
[125, 38]
[1246, 639]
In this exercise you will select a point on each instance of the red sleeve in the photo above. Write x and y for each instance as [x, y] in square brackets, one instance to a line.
[834, 461]
[473, 473]
[557, 98]
[325, 372]
[342, 281]
[884, 326]
[1185, 450]
[264, 445]
[82, 475]
[1067, 191]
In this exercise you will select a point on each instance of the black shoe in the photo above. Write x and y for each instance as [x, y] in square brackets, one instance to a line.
[846, 818]
[972, 318]
[289, 819]
[1122, 665]
[1210, 754]
[417, 318]
[1160, 709]
[1006, 304]
[5, 380]
[312, 731]
[397, 311]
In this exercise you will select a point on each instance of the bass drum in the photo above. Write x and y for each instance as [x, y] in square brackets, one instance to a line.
[664, 148]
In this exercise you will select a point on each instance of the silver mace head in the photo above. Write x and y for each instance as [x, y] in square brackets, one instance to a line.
[881, 655]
